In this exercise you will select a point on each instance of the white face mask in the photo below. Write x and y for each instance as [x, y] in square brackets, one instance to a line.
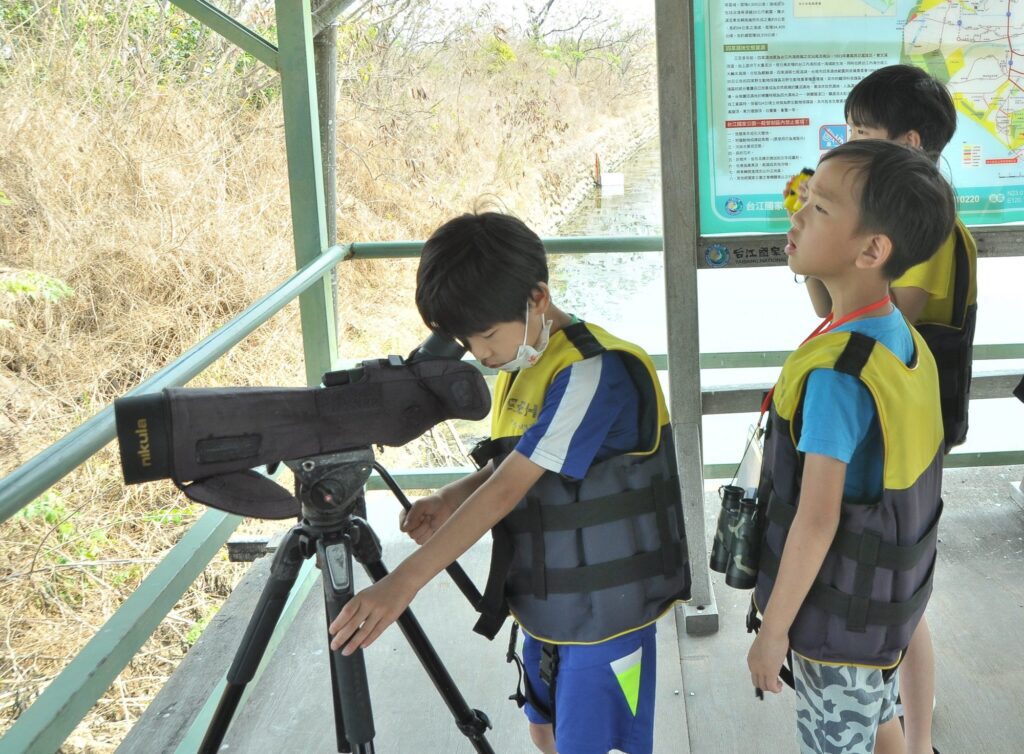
[527, 355]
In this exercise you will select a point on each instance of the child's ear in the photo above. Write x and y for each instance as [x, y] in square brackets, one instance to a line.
[911, 138]
[876, 253]
[541, 297]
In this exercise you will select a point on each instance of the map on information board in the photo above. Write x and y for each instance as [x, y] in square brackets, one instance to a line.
[843, 8]
[772, 76]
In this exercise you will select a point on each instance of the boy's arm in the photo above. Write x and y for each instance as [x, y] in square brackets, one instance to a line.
[820, 298]
[375, 608]
[811, 534]
[428, 513]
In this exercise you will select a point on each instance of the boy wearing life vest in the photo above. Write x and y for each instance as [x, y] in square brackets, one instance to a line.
[905, 104]
[577, 483]
[852, 467]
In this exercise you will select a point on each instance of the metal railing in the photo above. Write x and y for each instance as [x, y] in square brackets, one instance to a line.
[54, 715]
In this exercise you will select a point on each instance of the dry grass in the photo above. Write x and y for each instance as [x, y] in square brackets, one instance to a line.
[161, 201]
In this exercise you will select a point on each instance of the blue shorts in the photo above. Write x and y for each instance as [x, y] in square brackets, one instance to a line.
[604, 693]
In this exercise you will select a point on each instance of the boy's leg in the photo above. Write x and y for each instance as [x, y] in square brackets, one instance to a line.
[890, 738]
[604, 694]
[917, 690]
[543, 735]
[839, 707]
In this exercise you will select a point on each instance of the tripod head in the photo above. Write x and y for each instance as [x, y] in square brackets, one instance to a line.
[329, 487]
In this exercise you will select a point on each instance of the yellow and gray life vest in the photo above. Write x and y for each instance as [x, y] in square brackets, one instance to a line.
[877, 576]
[579, 561]
[952, 343]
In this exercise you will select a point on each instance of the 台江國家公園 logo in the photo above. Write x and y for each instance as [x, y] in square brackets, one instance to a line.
[733, 205]
[717, 255]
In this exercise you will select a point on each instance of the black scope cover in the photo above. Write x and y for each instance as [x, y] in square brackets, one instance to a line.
[194, 433]
[144, 438]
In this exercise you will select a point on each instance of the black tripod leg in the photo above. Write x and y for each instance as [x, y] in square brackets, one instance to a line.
[473, 723]
[283, 571]
[462, 581]
[353, 714]
[339, 719]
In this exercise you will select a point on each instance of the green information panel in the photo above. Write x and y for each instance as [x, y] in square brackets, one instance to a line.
[772, 76]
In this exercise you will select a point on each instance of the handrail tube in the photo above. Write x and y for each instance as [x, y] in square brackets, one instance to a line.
[760, 359]
[327, 14]
[746, 398]
[232, 30]
[757, 359]
[42, 471]
[427, 479]
[42, 728]
[993, 241]
[560, 245]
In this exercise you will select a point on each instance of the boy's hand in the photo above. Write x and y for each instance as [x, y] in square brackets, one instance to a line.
[367, 614]
[765, 660]
[425, 517]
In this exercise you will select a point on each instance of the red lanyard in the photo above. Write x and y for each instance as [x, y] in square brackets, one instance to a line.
[827, 325]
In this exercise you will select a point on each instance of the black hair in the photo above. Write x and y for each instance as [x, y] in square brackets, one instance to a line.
[478, 270]
[901, 98]
[903, 196]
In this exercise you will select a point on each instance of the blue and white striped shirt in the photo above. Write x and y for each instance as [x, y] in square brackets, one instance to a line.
[590, 413]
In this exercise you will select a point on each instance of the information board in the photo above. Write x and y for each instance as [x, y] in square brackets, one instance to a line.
[772, 77]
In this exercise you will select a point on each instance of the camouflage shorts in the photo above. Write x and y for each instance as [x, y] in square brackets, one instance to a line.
[839, 707]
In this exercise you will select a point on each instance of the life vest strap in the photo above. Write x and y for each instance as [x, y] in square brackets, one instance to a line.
[493, 606]
[962, 279]
[535, 519]
[538, 573]
[608, 575]
[856, 354]
[583, 339]
[484, 451]
[858, 611]
[851, 545]
[661, 495]
[665, 500]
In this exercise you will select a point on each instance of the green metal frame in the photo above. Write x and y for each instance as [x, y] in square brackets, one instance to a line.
[305, 180]
[45, 725]
[27, 482]
[993, 241]
[230, 29]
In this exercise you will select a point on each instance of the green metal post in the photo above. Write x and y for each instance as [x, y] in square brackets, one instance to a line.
[305, 179]
[674, 34]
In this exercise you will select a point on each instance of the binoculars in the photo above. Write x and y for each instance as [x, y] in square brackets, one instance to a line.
[737, 546]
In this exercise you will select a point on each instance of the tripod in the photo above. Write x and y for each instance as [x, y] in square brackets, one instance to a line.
[334, 529]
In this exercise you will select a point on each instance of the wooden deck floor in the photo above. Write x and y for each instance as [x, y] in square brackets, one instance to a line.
[705, 702]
